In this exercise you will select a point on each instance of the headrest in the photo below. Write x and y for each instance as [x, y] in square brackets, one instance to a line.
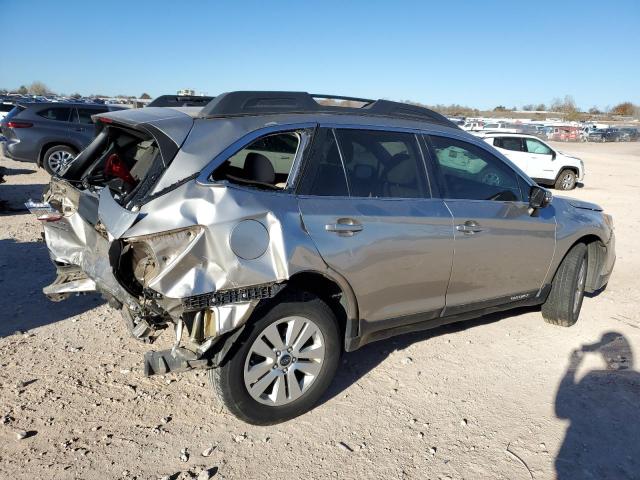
[258, 168]
[403, 171]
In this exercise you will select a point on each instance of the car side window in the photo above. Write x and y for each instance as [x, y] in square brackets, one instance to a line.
[536, 146]
[323, 173]
[509, 143]
[467, 171]
[84, 114]
[265, 162]
[382, 164]
[61, 114]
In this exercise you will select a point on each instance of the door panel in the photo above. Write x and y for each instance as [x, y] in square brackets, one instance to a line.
[506, 251]
[397, 255]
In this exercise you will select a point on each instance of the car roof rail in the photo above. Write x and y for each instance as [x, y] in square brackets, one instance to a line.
[244, 103]
[180, 101]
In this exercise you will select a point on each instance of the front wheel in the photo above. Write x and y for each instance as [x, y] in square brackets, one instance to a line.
[286, 360]
[57, 158]
[566, 180]
[564, 302]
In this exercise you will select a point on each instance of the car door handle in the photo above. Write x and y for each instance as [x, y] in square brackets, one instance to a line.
[469, 227]
[344, 226]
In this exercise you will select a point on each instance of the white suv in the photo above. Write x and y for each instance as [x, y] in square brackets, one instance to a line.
[538, 160]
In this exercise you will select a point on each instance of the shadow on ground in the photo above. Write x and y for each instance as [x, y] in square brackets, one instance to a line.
[13, 197]
[603, 408]
[25, 268]
[357, 364]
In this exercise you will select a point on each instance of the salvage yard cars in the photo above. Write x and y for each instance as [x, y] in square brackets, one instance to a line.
[271, 232]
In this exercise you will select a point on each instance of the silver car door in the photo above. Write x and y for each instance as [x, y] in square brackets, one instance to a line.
[503, 250]
[393, 245]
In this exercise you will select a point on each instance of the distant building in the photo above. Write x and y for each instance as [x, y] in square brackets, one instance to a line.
[187, 92]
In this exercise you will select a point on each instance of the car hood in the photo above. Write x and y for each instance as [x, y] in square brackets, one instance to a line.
[583, 205]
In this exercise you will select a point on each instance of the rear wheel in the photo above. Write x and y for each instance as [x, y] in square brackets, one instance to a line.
[284, 363]
[567, 289]
[566, 180]
[57, 158]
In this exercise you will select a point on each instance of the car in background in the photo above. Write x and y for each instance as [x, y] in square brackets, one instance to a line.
[629, 134]
[537, 159]
[5, 108]
[604, 135]
[501, 126]
[49, 134]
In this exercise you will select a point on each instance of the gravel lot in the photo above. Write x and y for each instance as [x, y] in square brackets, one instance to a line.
[483, 399]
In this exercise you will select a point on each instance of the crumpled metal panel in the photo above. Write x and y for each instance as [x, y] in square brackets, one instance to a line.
[115, 219]
[209, 264]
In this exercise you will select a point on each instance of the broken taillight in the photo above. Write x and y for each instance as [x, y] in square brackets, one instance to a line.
[15, 124]
[115, 167]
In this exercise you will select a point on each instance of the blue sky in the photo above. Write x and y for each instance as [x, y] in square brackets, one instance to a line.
[473, 53]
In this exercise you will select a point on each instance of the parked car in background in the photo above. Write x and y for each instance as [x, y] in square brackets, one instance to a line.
[604, 135]
[500, 126]
[539, 160]
[49, 134]
[5, 108]
[270, 233]
[629, 134]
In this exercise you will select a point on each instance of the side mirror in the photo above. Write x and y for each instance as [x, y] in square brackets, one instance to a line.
[539, 197]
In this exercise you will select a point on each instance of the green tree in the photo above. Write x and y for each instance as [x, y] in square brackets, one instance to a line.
[145, 96]
[23, 90]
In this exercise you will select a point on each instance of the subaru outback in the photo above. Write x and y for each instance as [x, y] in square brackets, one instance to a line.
[271, 231]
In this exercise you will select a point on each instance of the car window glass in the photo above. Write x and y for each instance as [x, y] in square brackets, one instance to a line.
[323, 173]
[60, 114]
[382, 164]
[266, 162]
[536, 146]
[470, 172]
[509, 143]
[84, 114]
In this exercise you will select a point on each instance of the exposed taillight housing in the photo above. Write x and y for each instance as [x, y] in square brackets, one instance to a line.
[18, 124]
[115, 167]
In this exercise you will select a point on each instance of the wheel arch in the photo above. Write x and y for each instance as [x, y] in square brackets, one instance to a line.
[334, 290]
[596, 253]
[53, 143]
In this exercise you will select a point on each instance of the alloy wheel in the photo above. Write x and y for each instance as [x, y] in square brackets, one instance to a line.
[59, 159]
[582, 275]
[568, 181]
[284, 361]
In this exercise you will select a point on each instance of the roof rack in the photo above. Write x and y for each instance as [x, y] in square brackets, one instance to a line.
[180, 101]
[269, 102]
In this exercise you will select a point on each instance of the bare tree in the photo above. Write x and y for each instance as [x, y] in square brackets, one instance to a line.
[38, 88]
[625, 109]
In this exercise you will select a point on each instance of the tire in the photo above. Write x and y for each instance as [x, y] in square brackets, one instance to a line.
[56, 158]
[566, 180]
[274, 398]
[564, 302]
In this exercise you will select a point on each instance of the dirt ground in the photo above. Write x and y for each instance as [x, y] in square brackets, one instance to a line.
[502, 397]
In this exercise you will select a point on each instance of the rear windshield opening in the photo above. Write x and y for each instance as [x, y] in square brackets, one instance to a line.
[119, 159]
[265, 163]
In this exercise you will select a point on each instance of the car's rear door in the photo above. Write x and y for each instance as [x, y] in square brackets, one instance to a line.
[502, 249]
[513, 149]
[365, 201]
[84, 129]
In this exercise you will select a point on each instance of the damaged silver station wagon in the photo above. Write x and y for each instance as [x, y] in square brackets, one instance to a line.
[271, 232]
